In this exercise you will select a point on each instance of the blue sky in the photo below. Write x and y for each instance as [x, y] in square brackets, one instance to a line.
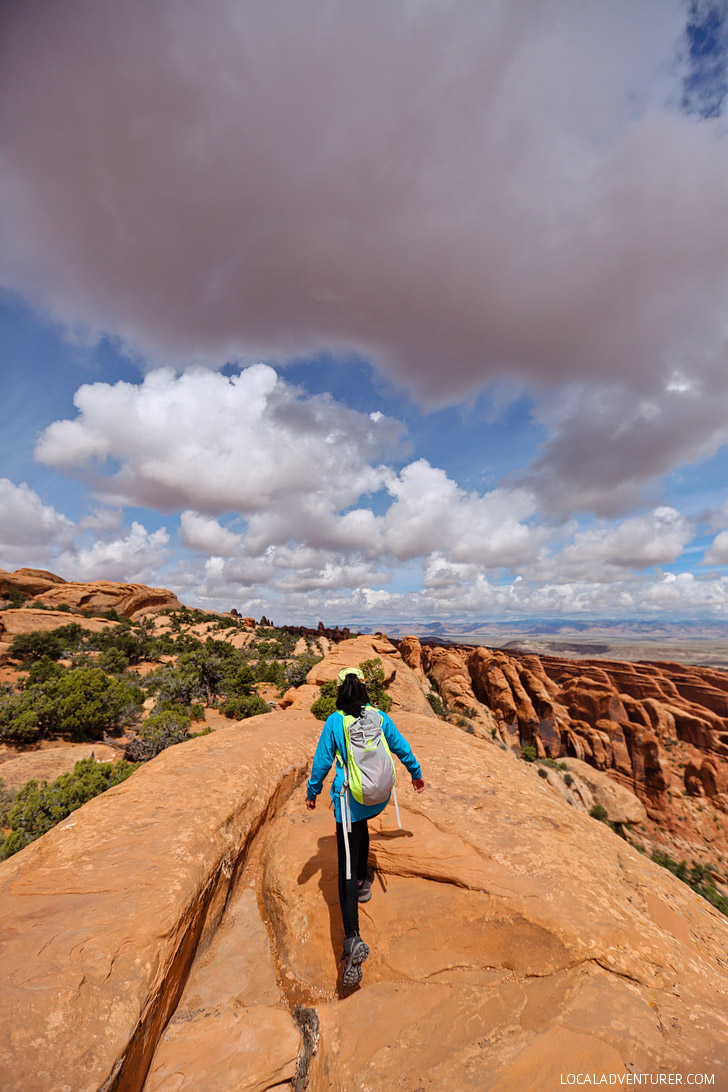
[449, 344]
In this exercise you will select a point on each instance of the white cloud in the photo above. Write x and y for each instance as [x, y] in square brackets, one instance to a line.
[136, 558]
[29, 529]
[207, 442]
[207, 535]
[641, 542]
[718, 552]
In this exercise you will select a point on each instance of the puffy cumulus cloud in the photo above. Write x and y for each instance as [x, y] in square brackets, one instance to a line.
[516, 195]
[641, 542]
[213, 443]
[430, 512]
[135, 558]
[207, 535]
[718, 552]
[30, 531]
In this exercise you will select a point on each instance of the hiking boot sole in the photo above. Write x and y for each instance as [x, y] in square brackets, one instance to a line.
[354, 959]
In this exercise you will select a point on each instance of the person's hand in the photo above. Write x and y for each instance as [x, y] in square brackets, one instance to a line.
[418, 784]
[310, 804]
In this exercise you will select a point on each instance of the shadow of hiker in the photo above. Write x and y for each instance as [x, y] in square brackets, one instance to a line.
[325, 863]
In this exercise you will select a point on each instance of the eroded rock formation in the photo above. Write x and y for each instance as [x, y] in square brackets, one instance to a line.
[40, 587]
[182, 932]
[658, 729]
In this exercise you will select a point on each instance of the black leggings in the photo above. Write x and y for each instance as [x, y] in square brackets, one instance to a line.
[349, 889]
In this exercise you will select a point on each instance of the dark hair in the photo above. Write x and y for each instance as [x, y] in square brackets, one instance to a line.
[352, 696]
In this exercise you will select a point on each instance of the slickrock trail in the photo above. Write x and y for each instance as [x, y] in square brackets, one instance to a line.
[181, 932]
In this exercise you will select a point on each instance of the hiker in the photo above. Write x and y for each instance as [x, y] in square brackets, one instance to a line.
[362, 737]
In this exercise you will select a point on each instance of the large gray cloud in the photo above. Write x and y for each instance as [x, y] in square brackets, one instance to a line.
[468, 192]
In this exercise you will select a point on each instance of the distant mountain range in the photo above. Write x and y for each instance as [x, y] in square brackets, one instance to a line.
[565, 627]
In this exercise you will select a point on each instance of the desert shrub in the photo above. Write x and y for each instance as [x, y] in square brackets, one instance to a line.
[374, 678]
[72, 637]
[297, 672]
[113, 661]
[240, 707]
[7, 799]
[36, 644]
[271, 671]
[42, 671]
[325, 704]
[599, 812]
[160, 730]
[568, 780]
[543, 773]
[553, 764]
[135, 645]
[698, 877]
[15, 597]
[436, 702]
[39, 806]
[529, 753]
[89, 703]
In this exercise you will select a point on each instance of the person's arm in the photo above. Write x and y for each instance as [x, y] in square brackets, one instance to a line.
[322, 761]
[399, 746]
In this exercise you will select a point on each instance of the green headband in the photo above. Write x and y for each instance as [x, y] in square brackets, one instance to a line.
[351, 671]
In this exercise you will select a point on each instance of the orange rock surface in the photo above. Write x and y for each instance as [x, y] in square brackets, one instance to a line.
[660, 730]
[181, 932]
[97, 596]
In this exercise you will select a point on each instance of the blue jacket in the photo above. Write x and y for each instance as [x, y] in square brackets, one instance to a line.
[331, 740]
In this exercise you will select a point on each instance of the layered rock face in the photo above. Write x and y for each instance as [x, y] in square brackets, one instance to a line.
[41, 587]
[181, 933]
[658, 729]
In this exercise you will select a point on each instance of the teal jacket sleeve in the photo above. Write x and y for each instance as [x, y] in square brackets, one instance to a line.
[399, 746]
[322, 759]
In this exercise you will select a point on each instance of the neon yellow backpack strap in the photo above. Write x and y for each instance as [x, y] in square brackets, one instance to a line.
[353, 770]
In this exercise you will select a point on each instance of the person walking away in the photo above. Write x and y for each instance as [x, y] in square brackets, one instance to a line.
[359, 738]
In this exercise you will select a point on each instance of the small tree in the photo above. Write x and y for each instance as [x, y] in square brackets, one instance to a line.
[36, 644]
[159, 731]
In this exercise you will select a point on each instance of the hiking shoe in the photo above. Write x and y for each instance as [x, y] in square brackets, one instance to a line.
[355, 952]
[365, 886]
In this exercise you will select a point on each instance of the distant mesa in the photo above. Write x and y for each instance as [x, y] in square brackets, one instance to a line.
[38, 588]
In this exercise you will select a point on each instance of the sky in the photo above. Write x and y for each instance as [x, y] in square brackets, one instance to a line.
[369, 312]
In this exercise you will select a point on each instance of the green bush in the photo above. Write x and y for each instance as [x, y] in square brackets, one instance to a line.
[42, 671]
[35, 645]
[529, 753]
[374, 678]
[436, 702]
[39, 806]
[297, 672]
[7, 799]
[698, 877]
[160, 730]
[325, 704]
[238, 708]
[89, 703]
[599, 812]
[114, 661]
